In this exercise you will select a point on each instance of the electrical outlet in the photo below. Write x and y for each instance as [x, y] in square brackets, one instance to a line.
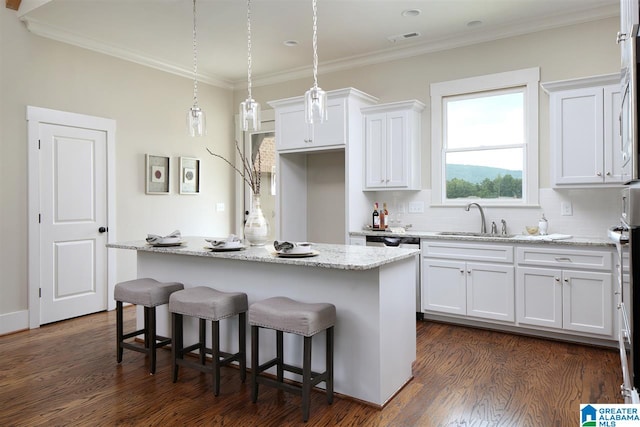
[219, 207]
[566, 209]
[416, 207]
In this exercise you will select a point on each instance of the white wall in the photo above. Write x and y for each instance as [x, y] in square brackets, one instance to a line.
[570, 52]
[149, 107]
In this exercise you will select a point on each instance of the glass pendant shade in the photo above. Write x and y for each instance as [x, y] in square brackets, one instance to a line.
[196, 122]
[250, 115]
[315, 105]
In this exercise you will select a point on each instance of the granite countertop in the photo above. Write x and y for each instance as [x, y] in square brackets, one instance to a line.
[519, 239]
[342, 257]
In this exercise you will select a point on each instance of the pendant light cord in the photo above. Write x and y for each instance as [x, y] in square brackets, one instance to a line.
[315, 44]
[249, 63]
[195, 58]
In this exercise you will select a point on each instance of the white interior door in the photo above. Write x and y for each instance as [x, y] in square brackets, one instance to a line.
[73, 208]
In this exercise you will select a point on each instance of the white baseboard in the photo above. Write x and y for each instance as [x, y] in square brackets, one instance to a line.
[13, 322]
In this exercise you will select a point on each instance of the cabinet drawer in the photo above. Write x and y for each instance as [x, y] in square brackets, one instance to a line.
[467, 252]
[594, 260]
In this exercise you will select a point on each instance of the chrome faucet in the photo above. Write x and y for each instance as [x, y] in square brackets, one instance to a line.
[483, 225]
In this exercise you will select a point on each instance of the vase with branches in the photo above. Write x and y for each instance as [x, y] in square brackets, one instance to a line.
[251, 168]
[256, 227]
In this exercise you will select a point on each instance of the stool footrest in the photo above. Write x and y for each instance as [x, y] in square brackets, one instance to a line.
[133, 334]
[135, 347]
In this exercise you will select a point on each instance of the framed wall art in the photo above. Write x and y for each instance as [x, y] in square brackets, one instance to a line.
[157, 174]
[189, 175]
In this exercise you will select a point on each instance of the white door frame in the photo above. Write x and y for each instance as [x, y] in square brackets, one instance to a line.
[35, 116]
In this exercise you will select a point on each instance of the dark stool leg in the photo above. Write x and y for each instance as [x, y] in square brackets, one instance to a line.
[242, 345]
[152, 336]
[119, 330]
[202, 340]
[146, 327]
[176, 348]
[254, 363]
[306, 379]
[215, 355]
[329, 368]
[279, 356]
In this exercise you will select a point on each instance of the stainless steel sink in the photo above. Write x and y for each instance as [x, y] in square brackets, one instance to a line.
[472, 234]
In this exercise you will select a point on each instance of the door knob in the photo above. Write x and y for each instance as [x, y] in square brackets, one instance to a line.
[102, 229]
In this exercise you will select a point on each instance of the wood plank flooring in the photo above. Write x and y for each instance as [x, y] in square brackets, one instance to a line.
[65, 374]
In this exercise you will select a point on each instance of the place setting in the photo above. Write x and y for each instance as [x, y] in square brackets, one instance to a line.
[230, 244]
[294, 250]
[170, 240]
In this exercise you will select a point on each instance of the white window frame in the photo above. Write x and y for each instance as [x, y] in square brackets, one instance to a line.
[529, 79]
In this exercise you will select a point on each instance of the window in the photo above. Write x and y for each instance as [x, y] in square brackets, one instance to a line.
[484, 139]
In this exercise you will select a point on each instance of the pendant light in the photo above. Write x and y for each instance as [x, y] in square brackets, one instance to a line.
[315, 99]
[196, 121]
[249, 108]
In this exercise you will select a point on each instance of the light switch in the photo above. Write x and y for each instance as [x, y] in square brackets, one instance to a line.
[416, 207]
[566, 209]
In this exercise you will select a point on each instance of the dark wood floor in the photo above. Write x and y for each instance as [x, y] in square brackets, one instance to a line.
[66, 374]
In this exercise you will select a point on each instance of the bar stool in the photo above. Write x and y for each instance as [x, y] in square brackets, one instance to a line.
[286, 315]
[205, 303]
[149, 293]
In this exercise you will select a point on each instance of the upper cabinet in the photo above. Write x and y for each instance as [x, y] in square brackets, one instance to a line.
[293, 134]
[585, 131]
[392, 146]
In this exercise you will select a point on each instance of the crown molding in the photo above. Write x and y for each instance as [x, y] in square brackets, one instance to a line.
[55, 33]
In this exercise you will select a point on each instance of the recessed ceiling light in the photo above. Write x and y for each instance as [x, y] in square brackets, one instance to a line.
[411, 12]
[291, 43]
[472, 24]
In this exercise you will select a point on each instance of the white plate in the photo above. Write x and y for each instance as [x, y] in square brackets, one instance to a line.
[297, 255]
[166, 245]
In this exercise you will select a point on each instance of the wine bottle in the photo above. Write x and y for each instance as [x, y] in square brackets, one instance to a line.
[376, 216]
[386, 216]
[383, 220]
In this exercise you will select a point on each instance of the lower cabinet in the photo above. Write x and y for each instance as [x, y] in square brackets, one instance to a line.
[476, 289]
[571, 300]
[543, 287]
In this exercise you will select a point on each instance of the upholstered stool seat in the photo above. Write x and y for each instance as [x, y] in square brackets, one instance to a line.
[306, 319]
[149, 293]
[207, 304]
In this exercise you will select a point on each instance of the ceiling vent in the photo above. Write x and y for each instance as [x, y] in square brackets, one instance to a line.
[401, 37]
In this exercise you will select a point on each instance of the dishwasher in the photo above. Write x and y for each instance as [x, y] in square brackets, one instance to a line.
[402, 242]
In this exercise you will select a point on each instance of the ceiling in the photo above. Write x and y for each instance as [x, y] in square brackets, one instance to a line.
[158, 33]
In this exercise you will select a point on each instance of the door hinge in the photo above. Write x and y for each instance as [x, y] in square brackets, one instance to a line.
[39, 218]
[38, 144]
[39, 292]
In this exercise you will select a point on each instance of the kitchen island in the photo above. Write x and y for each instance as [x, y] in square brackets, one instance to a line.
[373, 290]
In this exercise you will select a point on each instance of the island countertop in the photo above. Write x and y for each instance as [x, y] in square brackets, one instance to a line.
[343, 257]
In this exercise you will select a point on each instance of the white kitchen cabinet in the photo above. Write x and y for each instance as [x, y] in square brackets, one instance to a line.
[392, 146]
[561, 289]
[325, 167]
[293, 134]
[585, 131]
[469, 288]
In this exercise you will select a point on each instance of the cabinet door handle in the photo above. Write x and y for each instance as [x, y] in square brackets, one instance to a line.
[557, 279]
[608, 173]
[468, 271]
[566, 281]
[599, 173]
[562, 259]
[461, 271]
